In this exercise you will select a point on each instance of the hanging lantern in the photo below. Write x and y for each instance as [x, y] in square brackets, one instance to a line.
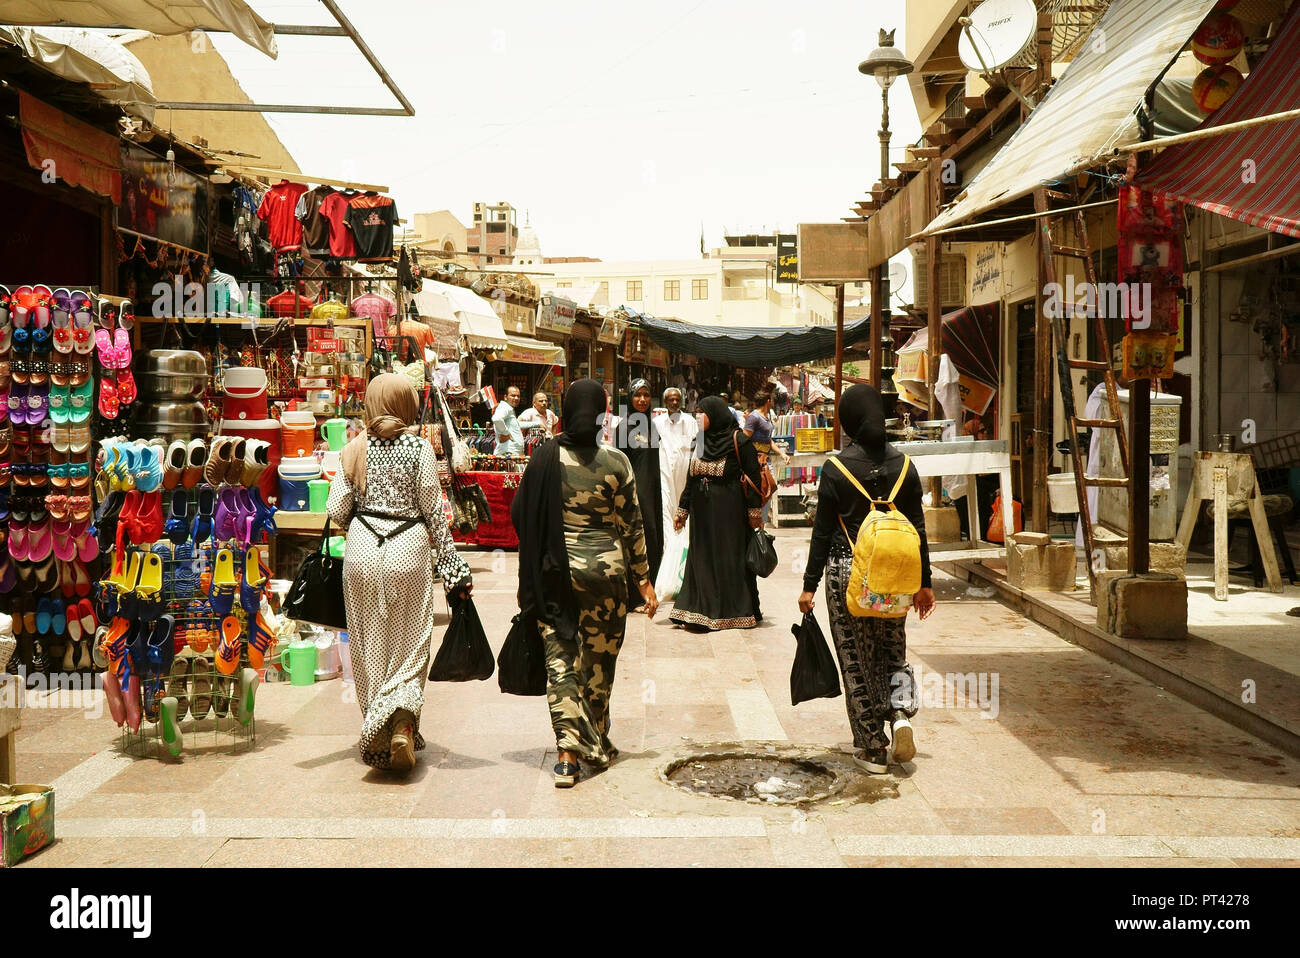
[1214, 86]
[1218, 39]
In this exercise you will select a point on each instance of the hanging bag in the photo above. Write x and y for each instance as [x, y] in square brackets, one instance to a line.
[760, 553]
[672, 568]
[464, 655]
[316, 595]
[886, 570]
[767, 482]
[521, 666]
[814, 674]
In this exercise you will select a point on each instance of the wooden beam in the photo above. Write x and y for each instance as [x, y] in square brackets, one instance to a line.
[934, 316]
[910, 166]
[979, 130]
[924, 152]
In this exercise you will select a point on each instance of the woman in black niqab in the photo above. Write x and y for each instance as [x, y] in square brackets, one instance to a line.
[635, 438]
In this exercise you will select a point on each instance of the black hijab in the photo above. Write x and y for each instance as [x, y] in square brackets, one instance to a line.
[862, 415]
[716, 441]
[545, 583]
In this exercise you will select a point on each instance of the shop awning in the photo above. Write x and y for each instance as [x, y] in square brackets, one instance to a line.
[163, 17]
[969, 337]
[483, 332]
[1090, 110]
[751, 347]
[522, 349]
[479, 323]
[82, 155]
[99, 61]
[1210, 173]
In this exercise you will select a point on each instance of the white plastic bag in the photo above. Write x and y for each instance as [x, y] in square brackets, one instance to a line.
[673, 566]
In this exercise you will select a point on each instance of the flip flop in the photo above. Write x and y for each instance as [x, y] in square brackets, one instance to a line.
[224, 584]
[260, 643]
[171, 731]
[109, 406]
[201, 675]
[230, 645]
[245, 697]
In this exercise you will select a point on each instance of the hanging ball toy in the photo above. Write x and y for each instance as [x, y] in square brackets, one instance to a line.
[1214, 85]
[1218, 39]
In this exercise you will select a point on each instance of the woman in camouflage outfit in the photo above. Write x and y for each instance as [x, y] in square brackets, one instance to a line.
[577, 515]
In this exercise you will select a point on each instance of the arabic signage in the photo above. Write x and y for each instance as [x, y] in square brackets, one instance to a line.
[557, 313]
[787, 257]
[613, 328]
[163, 201]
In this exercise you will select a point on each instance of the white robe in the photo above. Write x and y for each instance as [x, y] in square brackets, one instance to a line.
[1097, 401]
[675, 447]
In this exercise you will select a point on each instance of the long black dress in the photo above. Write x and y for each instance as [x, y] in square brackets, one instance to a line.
[634, 441]
[717, 591]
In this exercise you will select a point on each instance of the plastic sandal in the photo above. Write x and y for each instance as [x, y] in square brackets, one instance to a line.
[173, 465]
[236, 454]
[229, 647]
[218, 464]
[223, 527]
[178, 682]
[148, 468]
[200, 686]
[40, 541]
[201, 528]
[260, 643]
[224, 585]
[241, 706]
[195, 456]
[252, 583]
[109, 406]
[177, 525]
[171, 731]
[81, 402]
[65, 547]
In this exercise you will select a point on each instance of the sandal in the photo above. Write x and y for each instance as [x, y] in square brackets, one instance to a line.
[218, 464]
[201, 528]
[221, 594]
[229, 647]
[200, 686]
[173, 464]
[241, 707]
[195, 456]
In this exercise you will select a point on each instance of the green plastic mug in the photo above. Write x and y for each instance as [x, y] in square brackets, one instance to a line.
[299, 660]
[318, 494]
[335, 432]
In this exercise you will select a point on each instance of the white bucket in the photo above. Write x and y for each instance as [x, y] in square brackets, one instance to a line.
[1061, 494]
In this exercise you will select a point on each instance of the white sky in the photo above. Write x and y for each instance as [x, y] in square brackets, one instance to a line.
[621, 128]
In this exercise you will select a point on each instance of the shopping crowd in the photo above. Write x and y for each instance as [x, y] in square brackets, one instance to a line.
[614, 514]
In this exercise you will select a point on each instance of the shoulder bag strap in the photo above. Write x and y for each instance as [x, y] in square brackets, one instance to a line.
[735, 444]
[907, 460]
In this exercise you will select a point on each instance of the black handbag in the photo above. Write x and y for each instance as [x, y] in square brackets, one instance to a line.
[464, 655]
[521, 666]
[760, 554]
[814, 674]
[316, 595]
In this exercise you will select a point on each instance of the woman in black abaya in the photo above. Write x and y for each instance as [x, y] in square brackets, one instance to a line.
[636, 439]
[718, 592]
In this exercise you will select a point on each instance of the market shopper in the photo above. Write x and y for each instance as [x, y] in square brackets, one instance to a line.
[539, 416]
[879, 687]
[505, 423]
[677, 433]
[388, 498]
[637, 438]
[717, 591]
[580, 528]
[758, 427]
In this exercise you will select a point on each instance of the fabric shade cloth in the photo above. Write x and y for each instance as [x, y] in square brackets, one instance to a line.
[752, 347]
[522, 349]
[163, 17]
[500, 532]
[1210, 173]
[1123, 55]
[82, 155]
[479, 323]
[969, 338]
[94, 59]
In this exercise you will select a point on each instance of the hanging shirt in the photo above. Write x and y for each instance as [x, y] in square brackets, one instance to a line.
[289, 303]
[378, 309]
[331, 309]
[277, 211]
[315, 227]
[372, 218]
[334, 208]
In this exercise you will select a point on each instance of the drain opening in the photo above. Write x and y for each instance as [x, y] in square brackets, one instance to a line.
[769, 779]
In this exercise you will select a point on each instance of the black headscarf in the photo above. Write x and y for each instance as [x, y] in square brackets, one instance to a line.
[716, 441]
[545, 583]
[862, 415]
[635, 438]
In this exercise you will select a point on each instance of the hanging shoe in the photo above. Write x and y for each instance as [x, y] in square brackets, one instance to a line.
[236, 455]
[195, 456]
[241, 707]
[252, 583]
[201, 528]
[260, 643]
[224, 585]
[174, 465]
[177, 525]
[218, 464]
[148, 468]
[229, 647]
[224, 527]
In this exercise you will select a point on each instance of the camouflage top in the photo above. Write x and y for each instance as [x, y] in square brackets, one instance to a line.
[601, 513]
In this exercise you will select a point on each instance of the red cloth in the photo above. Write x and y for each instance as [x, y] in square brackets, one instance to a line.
[335, 210]
[277, 211]
[500, 533]
[289, 303]
[81, 155]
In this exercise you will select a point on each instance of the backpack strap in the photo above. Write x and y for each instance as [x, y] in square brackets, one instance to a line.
[907, 460]
[856, 485]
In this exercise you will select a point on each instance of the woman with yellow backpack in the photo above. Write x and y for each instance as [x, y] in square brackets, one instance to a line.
[869, 538]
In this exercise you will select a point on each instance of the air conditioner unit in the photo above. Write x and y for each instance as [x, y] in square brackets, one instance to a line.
[952, 278]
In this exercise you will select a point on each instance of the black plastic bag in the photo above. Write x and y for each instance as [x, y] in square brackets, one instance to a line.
[316, 595]
[814, 674]
[465, 655]
[521, 666]
[760, 553]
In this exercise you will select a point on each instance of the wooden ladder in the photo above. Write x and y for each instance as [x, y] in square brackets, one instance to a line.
[1064, 364]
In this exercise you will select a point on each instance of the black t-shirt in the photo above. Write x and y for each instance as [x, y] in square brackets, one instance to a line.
[371, 218]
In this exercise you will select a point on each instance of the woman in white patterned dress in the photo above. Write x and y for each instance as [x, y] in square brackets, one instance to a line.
[388, 498]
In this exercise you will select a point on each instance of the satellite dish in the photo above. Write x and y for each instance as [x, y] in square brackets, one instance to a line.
[897, 276]
[1001, 30]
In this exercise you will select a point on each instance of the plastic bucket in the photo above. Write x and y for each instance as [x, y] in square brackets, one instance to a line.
[1061, 494]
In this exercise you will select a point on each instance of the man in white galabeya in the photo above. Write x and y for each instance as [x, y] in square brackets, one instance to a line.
[676, 435]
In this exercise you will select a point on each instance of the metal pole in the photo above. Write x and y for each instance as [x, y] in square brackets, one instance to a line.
[839, 358]
[884, 135]
[877, 325]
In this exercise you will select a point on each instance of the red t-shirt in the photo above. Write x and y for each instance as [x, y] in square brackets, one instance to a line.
[335, 210]
[289, 303]
[277, 211]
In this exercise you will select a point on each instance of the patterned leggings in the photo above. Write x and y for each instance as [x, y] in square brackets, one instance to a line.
[580, 673]
[878, 682]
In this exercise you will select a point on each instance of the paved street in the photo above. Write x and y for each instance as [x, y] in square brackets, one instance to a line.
[1060, 758]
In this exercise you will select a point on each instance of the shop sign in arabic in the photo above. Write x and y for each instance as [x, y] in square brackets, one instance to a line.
[787, 258]
[163, 201]
[987, 272]
[557, 313]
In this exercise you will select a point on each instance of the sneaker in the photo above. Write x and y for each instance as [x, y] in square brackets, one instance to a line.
[875, 761]
[566, 774]
[401, 748]
[904, 742]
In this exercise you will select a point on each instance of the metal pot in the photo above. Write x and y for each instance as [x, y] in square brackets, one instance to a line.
[175, 413]
[172, 385]
[173, 362]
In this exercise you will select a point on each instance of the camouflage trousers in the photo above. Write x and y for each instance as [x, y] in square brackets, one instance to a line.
[580, 671]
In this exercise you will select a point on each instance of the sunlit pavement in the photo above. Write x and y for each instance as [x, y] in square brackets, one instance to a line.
[1029, 751]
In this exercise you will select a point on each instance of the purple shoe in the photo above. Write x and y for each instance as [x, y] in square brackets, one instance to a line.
[224, 523]
[38, 407]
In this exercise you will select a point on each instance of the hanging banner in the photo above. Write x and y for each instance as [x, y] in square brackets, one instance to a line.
[556, 313]
[613, 328]
[787, 258]
[162, 201]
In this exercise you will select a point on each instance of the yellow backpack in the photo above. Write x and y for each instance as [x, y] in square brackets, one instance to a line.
[886, 570]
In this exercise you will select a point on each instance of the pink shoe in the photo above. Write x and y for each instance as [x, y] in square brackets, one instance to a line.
[65, 546]
[88, 548]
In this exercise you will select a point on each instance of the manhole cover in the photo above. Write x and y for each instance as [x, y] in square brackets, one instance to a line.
[770, 779]
[1295, 612]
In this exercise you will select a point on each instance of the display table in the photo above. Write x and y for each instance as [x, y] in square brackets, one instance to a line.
[934, 459]
[499, 488]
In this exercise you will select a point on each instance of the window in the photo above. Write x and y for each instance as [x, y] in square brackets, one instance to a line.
[634, 291]
[699, 289]
[471, 249]
[672, 290]
[604, 288]
[563, 285]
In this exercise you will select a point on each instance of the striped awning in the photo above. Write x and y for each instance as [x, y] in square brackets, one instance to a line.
[1254, 174]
